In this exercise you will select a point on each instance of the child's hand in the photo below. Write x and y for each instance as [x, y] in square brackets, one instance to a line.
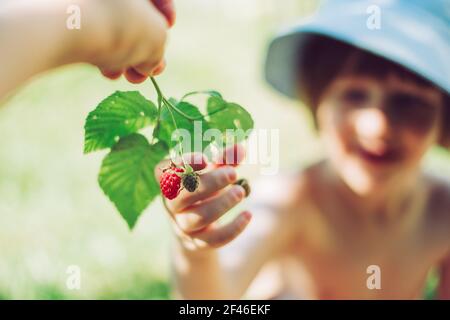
[195, 214]
[128, 37]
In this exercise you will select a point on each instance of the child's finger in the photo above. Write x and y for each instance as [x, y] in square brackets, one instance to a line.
[216, 237]
[200, 215]
[209, 183]
[230, 156]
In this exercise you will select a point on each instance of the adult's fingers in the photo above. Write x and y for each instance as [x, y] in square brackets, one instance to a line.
[111, 74]
[134, 77]
[149, 56]
[206, 212]
[159, 68]
[147, 69]
[166, 7]
[217, 236]
[137, 74]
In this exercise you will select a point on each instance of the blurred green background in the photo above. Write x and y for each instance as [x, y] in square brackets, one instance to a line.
[53, 214]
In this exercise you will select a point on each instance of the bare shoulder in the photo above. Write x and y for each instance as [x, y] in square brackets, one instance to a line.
[439, 201]
[439, 192]
[439, 216]
[287, 194]
[286, 189]
[279, 202]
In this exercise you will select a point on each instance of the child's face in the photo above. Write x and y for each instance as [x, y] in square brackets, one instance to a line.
[376, 130]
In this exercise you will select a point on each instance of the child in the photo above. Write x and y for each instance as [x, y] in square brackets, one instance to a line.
[364, 223]
[37, 35]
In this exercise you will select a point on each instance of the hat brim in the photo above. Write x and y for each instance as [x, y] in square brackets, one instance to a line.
[407, 38]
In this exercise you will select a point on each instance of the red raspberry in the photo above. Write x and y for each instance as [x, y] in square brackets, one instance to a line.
[170, 182]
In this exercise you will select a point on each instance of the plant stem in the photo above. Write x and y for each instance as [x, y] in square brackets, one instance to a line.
[167, 102]
[158, 90]
[184, 115]
[189, 117]
[160, 97]
[179, 140]
[162, 101]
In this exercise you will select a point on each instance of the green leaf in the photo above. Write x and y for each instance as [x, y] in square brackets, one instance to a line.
[127, 175]
[230, 118]
[195, 128]
[119, 115]
[212, 93]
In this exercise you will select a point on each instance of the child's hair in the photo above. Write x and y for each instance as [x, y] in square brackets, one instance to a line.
[326, 58]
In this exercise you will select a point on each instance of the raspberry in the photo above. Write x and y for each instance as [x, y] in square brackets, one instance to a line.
[190, 181]
[170, 182]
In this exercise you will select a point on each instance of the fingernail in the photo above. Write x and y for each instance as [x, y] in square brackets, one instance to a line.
[239, 192]
[246, 216]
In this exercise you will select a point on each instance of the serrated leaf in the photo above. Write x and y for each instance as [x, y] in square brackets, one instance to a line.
[119, 115]
[127, 175]
[230, 118]
[195, 128]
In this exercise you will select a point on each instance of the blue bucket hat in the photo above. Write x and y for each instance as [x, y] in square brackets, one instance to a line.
[412, 33]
